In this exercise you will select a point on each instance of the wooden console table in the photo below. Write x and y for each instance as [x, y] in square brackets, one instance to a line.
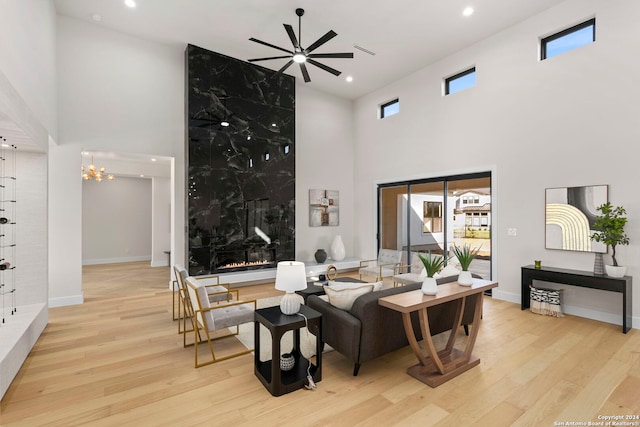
[584, 279]
[437, 367]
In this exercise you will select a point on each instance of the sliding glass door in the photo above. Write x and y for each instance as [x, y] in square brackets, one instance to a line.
[431, 215]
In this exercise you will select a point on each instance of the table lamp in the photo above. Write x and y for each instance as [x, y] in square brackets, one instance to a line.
[290, 277]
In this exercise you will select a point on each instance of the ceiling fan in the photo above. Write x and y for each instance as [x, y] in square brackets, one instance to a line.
[300, 55]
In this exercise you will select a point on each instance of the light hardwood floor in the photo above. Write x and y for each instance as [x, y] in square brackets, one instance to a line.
[118, 360]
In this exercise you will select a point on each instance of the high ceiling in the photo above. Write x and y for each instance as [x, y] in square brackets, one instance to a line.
[405, 35]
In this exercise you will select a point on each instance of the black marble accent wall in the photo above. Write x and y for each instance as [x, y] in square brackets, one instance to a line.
[240, 176]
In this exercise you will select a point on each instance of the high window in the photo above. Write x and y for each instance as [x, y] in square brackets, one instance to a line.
[569, 39]
[460, 81]
[390, 108]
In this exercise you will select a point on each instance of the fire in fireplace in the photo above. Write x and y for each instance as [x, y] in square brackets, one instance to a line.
[249, 259]
[244, 264]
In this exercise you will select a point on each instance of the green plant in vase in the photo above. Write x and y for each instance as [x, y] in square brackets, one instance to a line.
[465, 255]
[609, 228]
[432, 264]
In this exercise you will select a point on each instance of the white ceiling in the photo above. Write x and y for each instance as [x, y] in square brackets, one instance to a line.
[406, 35]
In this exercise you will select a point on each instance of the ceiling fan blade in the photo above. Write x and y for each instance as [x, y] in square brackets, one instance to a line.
[331, 55]
[305, 73]
[292, 35]
[271, 57]
[270, 45]
[322, 40]
[287, 65]
[324, 67]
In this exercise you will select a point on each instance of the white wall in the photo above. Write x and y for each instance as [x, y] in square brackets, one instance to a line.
[324, 160]
[116, 220]
[31, 228]
[161, 221]
[27, 49]
[566, 121]
[120, 94]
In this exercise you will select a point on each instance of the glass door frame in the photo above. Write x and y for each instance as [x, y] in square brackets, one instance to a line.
[445, 180]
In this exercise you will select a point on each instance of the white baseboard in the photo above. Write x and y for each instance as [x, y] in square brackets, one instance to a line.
[159, 264]
[64, 301]
[601, 316]
[116, 260]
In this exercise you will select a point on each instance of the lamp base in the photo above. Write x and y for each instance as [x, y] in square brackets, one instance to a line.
[290, 303]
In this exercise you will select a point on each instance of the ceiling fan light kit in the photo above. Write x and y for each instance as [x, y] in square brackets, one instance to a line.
[300, 55]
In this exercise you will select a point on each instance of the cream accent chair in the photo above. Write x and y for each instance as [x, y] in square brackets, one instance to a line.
[383, 266]
[411, 273]
[217, 293]
[207, 318]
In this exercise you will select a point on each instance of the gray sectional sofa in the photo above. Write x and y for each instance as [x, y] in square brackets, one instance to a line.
[369, 330]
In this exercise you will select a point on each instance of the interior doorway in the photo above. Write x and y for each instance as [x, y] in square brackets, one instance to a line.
[131, 216]
[431, 215]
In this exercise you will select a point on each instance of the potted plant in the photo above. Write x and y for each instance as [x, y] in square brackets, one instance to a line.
[432, 264]
[609, 228]
[465, 255]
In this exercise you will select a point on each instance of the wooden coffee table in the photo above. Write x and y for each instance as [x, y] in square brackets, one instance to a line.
[437, 367]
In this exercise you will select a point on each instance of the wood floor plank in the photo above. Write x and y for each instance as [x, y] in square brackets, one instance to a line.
[117, 359]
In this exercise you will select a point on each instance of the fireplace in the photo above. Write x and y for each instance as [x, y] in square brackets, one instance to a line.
[240, 177]
[243, 260]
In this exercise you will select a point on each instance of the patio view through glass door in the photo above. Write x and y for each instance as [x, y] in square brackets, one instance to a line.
[431, 215]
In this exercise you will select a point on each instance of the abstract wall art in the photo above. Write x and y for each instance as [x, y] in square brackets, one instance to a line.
[324, 208]
[569, 216]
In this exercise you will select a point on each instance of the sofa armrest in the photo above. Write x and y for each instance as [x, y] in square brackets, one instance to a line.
[340, 329]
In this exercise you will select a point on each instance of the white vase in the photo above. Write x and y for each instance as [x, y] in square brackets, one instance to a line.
[465, 279]
[429, 286]
[337, 249]
[615, 270]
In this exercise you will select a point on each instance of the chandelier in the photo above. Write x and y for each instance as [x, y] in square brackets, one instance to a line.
[93, 172]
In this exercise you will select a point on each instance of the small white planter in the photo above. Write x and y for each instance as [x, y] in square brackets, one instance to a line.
[429, 286]
[465, 279]
[615, 271]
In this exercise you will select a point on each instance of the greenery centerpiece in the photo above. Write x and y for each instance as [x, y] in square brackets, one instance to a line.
[609, 228]
[432, 264]
[465, 255]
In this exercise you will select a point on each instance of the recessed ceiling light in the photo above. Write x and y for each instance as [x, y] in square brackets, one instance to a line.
[96, 17]
[153, 160]
[141, 176]
[349, 79]
[468, 11]
[130, 3]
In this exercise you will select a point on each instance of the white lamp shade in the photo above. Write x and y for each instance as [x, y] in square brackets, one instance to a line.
[291, 276]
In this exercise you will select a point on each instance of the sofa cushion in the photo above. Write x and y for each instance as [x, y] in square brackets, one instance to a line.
[352, 285]
[344, 298]
[448, 271]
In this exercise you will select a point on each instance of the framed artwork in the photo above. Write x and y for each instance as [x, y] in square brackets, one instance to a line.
[324, 208]
[569, 216]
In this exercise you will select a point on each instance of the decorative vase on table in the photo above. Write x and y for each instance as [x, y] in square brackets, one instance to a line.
[598, 265]
[321, 256]
[337, 249]
[429, 286]
[465, 278]
[615, 270]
